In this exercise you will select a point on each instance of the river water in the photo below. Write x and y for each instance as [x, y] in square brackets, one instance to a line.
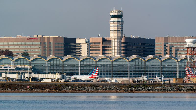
[97, 101]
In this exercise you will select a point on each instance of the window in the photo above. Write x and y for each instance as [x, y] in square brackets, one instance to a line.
[94, 49]
[96, 42]
[94, 46]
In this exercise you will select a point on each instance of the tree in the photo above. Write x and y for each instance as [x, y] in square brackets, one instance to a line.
[6, 52]
[25, 54]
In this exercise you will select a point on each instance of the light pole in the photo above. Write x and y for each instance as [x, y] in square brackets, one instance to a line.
[102, 70]
[128, 72]
[108, 71]
[148, 72]
[132, 72]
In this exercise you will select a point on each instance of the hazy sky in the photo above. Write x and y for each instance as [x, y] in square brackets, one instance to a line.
[88, 18]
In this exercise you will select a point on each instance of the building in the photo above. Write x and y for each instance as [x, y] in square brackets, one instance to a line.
[100, 46]
[129, 46]
[173, 46]
[137, 46]
[109, 67]
[39, 45]
[82, 47]
[116, 31]
[117, 44]
[69, 46]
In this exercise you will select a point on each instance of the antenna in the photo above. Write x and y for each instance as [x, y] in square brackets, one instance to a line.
[114, 8]
[121, 8]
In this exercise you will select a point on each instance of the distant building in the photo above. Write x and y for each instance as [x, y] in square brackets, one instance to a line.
[173, 46]
[69, 46]
[82, 47]
[39, 45]
[100, 46]
[129, 46]
[137, 46]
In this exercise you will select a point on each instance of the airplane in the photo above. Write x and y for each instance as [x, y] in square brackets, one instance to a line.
[139, 79]
[158, 79]
[92, 75]
[142, 78]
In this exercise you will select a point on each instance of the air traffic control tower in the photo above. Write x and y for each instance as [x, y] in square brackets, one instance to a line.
[116, 31]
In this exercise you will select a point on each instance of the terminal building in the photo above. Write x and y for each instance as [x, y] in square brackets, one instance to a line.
[109, 67]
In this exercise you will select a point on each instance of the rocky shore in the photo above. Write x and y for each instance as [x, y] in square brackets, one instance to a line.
[35, 87]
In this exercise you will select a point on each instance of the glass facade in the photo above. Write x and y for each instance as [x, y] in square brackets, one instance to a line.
[86, 65]
[71, 66]
[169, 68]
[54, 65]
[182, 65]
[39, 66]
[21, 61]
[137, 67]
[116, 67]
[120, 67]
[5, 61]
[153, 67]
[104, 65]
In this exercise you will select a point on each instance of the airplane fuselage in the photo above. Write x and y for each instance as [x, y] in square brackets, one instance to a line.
[81, 77]
[92, 75]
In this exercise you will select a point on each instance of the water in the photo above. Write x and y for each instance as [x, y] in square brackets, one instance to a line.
[97, 101]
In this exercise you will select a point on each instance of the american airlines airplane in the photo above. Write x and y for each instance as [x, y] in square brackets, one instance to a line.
[92, 75]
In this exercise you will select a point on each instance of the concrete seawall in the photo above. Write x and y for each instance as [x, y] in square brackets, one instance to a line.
[17, 87]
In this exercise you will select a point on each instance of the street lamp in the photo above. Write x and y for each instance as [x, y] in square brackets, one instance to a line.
[132, 72]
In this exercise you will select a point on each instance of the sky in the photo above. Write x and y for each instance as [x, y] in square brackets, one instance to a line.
[88, 18]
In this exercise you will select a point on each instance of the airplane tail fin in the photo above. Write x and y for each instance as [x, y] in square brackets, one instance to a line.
[95, 74]
[92, 72]
[97, 71]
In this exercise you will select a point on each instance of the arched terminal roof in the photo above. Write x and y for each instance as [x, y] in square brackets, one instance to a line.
[53, 57]
[168, 57]
[119, 57]
[97, 58]
[38, 57]
[136, 57]
[87, 57]
[182, 57]
[8, 57]
[70, 57]
[103, 57]
[152, 57]
[21, 57]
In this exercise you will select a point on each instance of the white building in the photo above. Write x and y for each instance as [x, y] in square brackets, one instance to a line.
[116, 31]
[82, 47]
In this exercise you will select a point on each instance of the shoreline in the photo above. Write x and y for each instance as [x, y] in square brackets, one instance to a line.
[37, 87]
[89, 92]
